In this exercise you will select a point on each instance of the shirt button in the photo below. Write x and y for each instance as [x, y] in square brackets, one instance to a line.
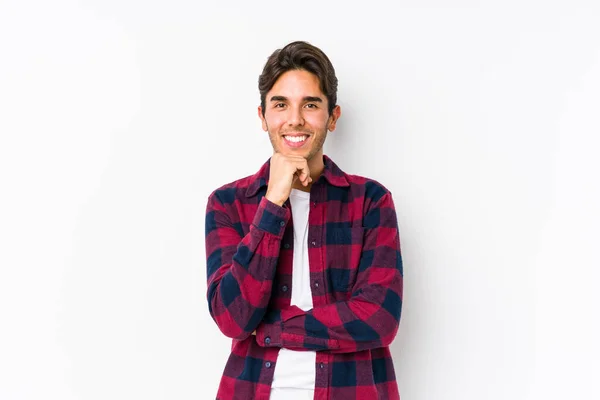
[267, 340]
[314, 243]
[268, 364]
[282, 223]
[287, 245]
[321, 366]
[284, 288]
[316, 283]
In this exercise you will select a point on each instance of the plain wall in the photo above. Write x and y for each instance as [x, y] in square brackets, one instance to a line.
[118, 118]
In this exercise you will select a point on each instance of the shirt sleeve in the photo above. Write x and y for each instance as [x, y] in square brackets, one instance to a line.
[371, 316]
[240, 269]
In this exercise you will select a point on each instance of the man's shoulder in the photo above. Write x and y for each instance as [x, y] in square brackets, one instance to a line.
[366, 186]
[228, 192]
[356, 182]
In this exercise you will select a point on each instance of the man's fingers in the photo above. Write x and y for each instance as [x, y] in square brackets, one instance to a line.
[299, 163]
[299, 175]
[304, 172]
[305, 178]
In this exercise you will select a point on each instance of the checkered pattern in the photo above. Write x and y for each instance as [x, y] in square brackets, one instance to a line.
[356, 281]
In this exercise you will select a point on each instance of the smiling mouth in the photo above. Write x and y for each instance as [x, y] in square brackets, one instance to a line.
[296, 138]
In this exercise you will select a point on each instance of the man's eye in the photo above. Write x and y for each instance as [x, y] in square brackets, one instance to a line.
[279, 105]
[311, 105]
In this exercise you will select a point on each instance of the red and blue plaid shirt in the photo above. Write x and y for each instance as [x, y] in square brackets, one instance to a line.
[356, 279]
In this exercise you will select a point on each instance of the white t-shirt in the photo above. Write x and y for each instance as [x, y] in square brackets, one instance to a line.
[294, 375]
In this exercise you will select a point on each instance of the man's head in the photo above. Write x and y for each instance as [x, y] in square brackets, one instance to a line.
[298, 93]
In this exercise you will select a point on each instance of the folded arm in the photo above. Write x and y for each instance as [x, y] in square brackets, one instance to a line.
[240, 269]
[371, 316]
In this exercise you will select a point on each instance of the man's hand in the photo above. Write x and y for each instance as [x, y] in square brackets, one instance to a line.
[254, 333]
[284, 172]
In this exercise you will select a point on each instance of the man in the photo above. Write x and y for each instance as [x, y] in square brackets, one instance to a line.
[303, 260]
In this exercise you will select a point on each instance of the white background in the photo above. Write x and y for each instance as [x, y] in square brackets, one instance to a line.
[118, 118]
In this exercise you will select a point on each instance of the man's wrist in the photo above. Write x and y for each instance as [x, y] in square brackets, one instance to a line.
[274, 200]
[271, 218]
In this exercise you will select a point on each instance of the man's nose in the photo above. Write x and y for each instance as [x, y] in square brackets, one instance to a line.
[295, 117]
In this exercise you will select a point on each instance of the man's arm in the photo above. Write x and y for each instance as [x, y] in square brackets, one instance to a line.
[240, 270]
[370, 318]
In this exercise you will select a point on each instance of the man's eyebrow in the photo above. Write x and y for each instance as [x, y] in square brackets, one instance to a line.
[313, 98]
[305, 98]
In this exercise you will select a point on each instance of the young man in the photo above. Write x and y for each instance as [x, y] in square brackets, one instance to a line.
[303, 260]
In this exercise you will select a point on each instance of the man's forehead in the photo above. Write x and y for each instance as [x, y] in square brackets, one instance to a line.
[296, 80]
[295, 93]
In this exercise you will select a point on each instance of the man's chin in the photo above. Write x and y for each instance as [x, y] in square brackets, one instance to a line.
[288, 152]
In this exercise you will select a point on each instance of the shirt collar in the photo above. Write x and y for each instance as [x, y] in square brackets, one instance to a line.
[332, 173]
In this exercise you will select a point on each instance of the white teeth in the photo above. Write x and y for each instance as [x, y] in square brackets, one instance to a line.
[295, 139]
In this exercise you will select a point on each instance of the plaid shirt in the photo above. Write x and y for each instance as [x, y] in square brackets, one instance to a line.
[356, 279]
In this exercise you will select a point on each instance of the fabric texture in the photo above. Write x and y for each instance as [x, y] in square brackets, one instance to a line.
[356, 280]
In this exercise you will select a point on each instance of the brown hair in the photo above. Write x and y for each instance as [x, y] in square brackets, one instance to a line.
[303, 56]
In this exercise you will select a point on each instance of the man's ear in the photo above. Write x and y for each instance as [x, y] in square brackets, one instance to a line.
[335, 115]
[262, 119]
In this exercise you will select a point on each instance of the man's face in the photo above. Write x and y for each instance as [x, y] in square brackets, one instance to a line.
[296, 115]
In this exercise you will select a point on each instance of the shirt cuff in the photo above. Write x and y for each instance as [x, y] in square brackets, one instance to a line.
[271, 217]
[269, 335]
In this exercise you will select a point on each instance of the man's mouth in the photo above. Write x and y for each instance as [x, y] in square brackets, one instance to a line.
[295, 139]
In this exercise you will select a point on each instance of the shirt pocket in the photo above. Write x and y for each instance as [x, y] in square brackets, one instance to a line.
[342, 251]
